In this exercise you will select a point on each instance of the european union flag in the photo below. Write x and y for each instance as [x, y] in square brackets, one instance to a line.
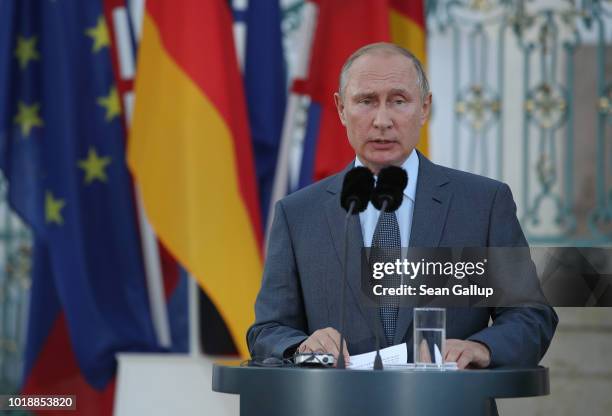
[62, 151]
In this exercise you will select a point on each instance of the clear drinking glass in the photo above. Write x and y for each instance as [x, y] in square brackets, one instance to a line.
[429, 337]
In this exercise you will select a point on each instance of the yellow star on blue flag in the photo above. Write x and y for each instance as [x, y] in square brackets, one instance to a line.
[99, 34]
[111, 104]
[62, 150]
[26, 50]
[53, 209]
[28, 118]
[94, 166]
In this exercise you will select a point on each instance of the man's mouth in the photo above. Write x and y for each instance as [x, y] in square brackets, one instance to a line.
[382, 143]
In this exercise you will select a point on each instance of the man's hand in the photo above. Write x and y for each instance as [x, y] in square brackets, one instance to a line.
[326, 340]
[467, 354]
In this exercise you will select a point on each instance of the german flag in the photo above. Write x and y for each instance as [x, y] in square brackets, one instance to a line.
[191, 154]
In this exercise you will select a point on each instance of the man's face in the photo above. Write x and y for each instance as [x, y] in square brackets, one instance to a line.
[381, 109]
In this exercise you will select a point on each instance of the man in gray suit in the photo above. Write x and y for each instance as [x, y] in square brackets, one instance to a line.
[383, 101]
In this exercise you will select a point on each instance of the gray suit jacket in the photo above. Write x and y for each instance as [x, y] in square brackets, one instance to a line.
[302, 280]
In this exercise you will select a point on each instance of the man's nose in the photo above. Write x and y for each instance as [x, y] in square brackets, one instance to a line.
[382, 120]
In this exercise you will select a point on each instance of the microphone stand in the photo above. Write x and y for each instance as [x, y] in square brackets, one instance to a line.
[341, 364]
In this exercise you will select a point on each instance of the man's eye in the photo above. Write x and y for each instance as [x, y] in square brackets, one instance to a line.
[399, 101]
[366, 101]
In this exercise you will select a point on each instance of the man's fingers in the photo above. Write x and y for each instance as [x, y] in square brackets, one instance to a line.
[327, 341]
[321, 347]
[347, 356]
[333, 340]
[425, 356]
[452, 354]
[312, 344]
[465, 359]
[467, 354]
[345, 353]
[304, 346]
[447, 348]
[333, 348]
[482, 355]
[453, 350]
[335, 335]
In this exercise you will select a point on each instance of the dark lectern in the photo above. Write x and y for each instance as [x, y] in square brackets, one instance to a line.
[322, 392]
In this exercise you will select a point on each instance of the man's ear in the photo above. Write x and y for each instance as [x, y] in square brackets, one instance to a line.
[340, 108]
[426, 109]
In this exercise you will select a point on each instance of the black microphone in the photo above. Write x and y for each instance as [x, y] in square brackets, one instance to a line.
[357, 189]
[387, 196]
[389, 191]
[354, 198]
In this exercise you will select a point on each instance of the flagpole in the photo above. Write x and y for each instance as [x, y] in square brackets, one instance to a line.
[281, 176]
[150, 249]
[195, 347]
[153, 274]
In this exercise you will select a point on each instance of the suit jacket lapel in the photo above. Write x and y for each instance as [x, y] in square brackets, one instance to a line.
[336, 217]
[432, 201]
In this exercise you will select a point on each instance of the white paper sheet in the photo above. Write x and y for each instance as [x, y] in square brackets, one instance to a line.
[437, 354]
[397, 354]
[448, 366]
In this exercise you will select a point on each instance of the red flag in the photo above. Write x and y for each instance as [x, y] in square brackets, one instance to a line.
[342, 28]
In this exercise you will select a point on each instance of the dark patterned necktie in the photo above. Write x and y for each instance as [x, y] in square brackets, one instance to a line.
[386, 247]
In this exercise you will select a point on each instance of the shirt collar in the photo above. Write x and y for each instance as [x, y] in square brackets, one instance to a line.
[411, 166]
